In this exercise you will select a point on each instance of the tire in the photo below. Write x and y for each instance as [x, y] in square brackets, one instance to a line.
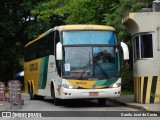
[102, 101]
[32, 97]
[56, 100]
[38, 97]
[28, 88]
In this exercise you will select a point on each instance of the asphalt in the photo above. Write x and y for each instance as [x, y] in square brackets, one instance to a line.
[128, 101]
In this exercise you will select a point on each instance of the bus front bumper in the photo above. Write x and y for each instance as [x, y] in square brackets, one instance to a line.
[89, 93]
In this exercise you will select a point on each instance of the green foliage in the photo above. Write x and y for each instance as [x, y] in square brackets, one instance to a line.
[73, 11]
[85, 12]
[119, 10]
[156, 96]
[127, 92]
[127, 77]
[45, 10]
[18, 26]
[13, 21]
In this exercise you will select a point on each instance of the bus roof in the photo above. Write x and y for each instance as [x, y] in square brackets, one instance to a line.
[84, 27]
[40, 36]
[73, 27]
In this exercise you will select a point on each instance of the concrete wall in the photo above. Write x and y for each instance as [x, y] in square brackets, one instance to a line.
[142, 22]
[146, 70]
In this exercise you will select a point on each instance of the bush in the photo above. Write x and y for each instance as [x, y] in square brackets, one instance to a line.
[127, 77]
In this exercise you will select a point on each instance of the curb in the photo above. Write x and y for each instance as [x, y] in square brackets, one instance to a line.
[135, 106]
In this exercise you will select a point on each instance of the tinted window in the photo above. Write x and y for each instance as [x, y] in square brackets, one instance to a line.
[143, 46]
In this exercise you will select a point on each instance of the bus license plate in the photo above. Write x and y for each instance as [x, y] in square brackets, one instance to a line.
[93, 93]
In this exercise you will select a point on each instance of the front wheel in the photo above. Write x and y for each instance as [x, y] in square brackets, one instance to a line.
[102, 101]
[56, 100]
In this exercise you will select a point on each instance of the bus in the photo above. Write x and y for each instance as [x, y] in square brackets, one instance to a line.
[74, 62]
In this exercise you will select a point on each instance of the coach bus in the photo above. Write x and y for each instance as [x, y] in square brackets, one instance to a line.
[74, 62]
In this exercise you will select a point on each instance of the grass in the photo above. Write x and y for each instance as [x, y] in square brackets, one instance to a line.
[125, 92]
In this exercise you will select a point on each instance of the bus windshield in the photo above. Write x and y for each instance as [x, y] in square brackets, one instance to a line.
[88, 37]
[95, 60]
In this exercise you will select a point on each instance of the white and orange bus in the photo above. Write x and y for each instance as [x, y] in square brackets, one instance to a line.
[74, 62]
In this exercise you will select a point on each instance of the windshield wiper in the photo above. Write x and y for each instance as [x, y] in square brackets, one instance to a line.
[84, 70]
[95, 59]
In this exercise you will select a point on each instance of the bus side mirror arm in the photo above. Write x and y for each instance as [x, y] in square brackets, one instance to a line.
[59, 51]
[125, 51]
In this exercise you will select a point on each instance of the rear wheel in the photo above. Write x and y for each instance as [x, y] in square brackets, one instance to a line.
[38, 97]
[32, 97]
[28, 88]
[102, 101]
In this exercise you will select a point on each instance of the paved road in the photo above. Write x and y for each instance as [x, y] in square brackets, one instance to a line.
[91, 107]
[70, 105]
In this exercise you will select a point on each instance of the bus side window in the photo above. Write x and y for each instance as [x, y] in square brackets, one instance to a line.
[48, 45]
[51, 44]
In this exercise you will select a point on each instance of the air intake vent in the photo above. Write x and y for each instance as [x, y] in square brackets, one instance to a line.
[156, 6]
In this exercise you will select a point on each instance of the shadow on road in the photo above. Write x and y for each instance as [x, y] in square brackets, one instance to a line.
[78, 103]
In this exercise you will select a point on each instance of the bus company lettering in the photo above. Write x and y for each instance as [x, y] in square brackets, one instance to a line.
[33, 67]
[82, 83]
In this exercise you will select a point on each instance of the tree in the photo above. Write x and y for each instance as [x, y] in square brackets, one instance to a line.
[13, 21]
[113, 18]
[18, 26]
[74, 11]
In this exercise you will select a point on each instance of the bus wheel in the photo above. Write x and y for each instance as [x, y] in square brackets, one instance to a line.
[31, 93]
[56, 100]
[102, 101]
[28, 88]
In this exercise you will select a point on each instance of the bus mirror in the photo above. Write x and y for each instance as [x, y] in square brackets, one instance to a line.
[59, 51]
[125, 51]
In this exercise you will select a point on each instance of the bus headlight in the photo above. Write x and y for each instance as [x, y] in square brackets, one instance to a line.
[115, 85]
[69, 86]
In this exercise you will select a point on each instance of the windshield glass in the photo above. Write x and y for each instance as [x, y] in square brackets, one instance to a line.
[90, 62]
[90, 54]
[88, 37]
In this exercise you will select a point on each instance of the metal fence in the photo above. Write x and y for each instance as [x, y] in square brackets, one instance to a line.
[15, 96]
[2, 93]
